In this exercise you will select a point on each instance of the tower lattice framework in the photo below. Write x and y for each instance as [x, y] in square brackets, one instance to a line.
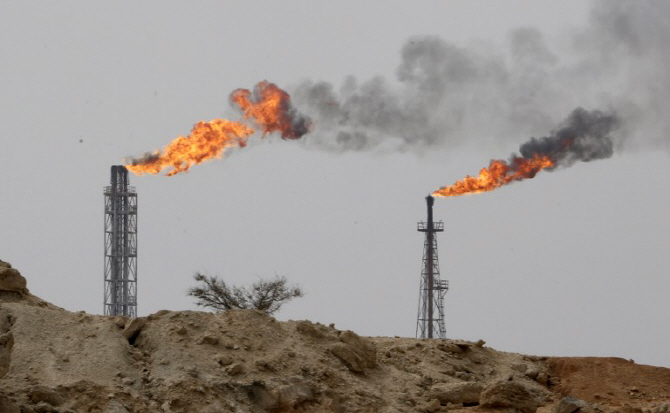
[430, 319]
[120, 245]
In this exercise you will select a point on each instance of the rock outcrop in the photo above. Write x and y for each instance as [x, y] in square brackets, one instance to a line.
[356, 353]
[662, 408]
[11, 279]
[465, 393]
[510, 395]
[53, 360]
[570, 404]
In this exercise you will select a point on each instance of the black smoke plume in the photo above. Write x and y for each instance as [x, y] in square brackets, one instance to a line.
[446, 94]
[583, 136]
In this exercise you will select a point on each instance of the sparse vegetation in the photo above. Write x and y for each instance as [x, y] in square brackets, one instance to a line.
[264, 295]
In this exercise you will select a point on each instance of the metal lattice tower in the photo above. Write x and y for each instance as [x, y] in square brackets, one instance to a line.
[120, 245]
[432, 288]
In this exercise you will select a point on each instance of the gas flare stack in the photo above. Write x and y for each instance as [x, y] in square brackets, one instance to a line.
[120, 245]
[430, 319]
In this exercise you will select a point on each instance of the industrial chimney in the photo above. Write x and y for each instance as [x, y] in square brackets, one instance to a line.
[430, 319]
[120, 245]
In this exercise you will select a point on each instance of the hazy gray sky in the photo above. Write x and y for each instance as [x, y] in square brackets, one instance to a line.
[569, 263]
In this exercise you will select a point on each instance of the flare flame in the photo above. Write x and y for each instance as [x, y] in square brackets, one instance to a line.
[583, 136]
[268, 105]
[207, 140]
[498, 173]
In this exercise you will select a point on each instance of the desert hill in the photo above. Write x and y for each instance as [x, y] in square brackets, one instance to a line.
[53, 360]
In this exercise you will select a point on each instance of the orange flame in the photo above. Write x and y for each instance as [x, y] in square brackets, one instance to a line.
[269, 106]
[207, 140]
[498, 173]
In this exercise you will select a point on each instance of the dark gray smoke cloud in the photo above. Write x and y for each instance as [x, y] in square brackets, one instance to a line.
[428, 104]
[583, 136]
[147, 157]
[449, 95]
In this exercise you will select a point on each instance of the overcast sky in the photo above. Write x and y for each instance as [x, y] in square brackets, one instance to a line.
[572, 262]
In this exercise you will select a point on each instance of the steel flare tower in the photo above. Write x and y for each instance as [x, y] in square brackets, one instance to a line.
[430, 320]
[120, 245]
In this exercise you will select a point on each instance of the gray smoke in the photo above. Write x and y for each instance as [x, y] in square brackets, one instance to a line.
[583, 136]
[448, 95]
[146, 158]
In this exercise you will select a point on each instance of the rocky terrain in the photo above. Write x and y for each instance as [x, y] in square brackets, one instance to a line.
[53, 360]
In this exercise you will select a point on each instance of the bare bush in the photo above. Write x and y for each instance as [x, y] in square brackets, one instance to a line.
[264, 295]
